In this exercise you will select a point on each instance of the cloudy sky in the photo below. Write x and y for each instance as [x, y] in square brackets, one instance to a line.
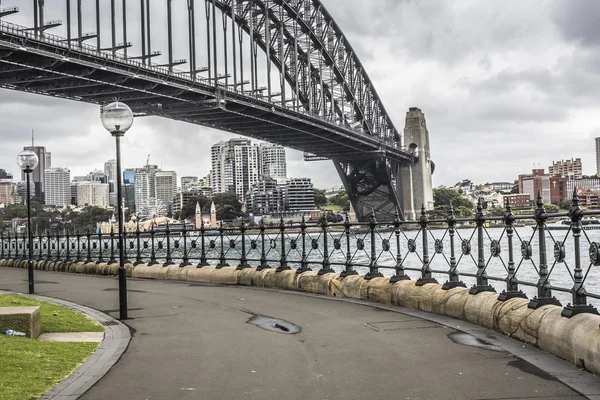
[504, 85]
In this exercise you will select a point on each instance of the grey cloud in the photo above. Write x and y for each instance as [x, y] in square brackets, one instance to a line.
[577, 21]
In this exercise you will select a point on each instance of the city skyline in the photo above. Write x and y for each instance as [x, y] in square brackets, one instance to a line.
[522, 79]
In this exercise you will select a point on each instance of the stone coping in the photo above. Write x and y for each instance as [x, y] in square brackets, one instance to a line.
[575, 339]
[115, 342]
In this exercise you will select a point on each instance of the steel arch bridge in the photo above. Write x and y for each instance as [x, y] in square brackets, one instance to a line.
[276, 70]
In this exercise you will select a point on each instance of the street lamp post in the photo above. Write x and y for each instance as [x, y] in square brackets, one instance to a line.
[117, 118]
[28, 161]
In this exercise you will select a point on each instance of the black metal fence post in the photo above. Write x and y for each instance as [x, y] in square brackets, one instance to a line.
[349, 267]
[326, 265]
[49, 246]
[68, 256]
[100, 247]
[243, 259]
[40, 248]
[544, 292]
[580, 305]
[453, 276]
[168, 260]
[203, 261]
[138, 250]
[283, 265]
[78, 238]
[263, 254]
[482, 284]
[373, 267]
[1, 245]
[185, 260]
[113, 259]
[152, 248]
[426, 273]
[222, 260]
[9, 245]
[303, 262]
[512, 283]
[57, 240]
[399, 273]
[89, 246]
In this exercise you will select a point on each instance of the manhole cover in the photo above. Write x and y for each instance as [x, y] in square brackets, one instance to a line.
[274, 324]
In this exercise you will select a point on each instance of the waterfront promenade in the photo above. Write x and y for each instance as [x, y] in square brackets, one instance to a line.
[191, 341]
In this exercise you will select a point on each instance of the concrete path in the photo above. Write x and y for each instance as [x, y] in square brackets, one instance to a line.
[193, 341]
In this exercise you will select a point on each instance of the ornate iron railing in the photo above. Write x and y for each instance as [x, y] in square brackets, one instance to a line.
[510, 250]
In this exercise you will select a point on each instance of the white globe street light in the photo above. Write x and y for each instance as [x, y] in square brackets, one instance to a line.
[117, 118]
[27, 160]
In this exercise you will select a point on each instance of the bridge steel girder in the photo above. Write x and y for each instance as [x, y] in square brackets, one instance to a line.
[328, 91]
[371, 187]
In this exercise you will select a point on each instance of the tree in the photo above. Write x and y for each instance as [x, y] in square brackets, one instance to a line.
[342, 200]
[320, 199]
[228, 206]
[188, 211]
[443, 197]
[515, 188]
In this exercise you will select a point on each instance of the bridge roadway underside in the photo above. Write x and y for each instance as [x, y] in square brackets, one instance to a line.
[38, 67]
[193, 342]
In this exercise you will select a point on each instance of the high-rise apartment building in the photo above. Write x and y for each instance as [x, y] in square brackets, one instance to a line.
[110, 169]
[143, 186]
[299, 195]
[206, 181]
[187, 182]
[8, 192]
[266, 197]
[273, 162]
[93, 193]
[597, 140]
[568, 168]
[235, 166]
[38, 175]
[57, 183]
[165, 186]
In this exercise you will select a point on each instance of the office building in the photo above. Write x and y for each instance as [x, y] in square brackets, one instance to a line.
[273, 162]
[93, 193]
[5, 175]
[567, 168]
[38, 175]
[57, 183]
[165, 186]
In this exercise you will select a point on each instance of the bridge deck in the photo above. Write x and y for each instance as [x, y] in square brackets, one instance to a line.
[193, 342]
[50, 66]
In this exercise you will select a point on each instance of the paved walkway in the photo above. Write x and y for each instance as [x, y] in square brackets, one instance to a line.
[193, 342]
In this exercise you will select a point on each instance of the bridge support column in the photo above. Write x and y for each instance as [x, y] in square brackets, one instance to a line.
[415, 179]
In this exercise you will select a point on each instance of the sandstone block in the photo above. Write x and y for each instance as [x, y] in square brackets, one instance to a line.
[22, 319]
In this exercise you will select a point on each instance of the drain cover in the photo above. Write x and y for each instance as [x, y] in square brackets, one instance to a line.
[274, 324]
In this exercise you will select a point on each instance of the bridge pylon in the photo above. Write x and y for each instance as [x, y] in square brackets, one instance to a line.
[415, 179]
[389, 188]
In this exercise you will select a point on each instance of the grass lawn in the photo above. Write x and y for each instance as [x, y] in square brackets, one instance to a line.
[332, 207]
[29, 368]
[55, 318]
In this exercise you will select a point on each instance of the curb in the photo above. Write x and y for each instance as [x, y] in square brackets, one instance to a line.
[115, 342]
